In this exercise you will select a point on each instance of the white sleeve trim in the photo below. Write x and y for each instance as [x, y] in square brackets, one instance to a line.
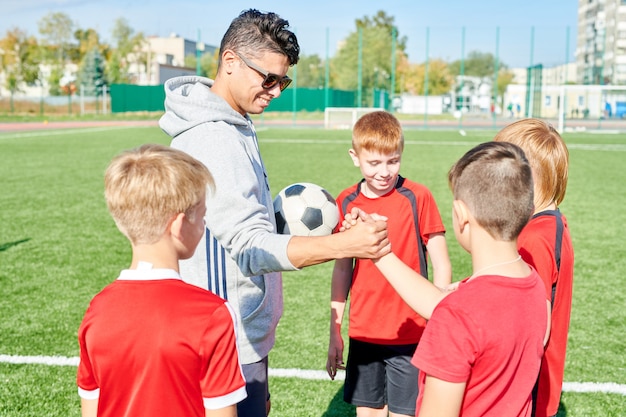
[89, 395]
[234, 397]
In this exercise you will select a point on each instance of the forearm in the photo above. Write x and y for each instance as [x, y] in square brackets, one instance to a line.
[88, 408]
[339, 290]
[419, 293]
[364, 240]
[311, 250]
[230, 411]
[441, 398]
[440, 260]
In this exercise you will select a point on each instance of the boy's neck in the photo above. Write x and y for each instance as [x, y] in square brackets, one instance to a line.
[497, 257]
[551, 206]
[158, 254]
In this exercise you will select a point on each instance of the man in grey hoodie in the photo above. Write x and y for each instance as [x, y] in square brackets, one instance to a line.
[241, 255]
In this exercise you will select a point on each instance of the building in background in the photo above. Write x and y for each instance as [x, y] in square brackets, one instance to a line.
[601, 43]
[164, 58]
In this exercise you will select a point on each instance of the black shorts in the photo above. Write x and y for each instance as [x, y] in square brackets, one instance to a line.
[379, 375]
[257, 388]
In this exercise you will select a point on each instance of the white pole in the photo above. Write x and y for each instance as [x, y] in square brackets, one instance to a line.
[104, 99]
[82, 100]
[562, 110]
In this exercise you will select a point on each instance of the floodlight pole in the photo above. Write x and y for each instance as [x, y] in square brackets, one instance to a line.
[327, 76]
[495, 76]
[462, 77]
[394, 35]
[199, 49]
[563, 101]
[531, 94]
[360, 69]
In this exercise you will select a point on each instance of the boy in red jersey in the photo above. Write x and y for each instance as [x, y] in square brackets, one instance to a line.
[482, 348]
[384, 330]
[150, 344]
[545, 243]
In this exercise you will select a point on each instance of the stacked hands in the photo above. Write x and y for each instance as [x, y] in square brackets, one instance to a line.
[378, 222]
[373, 230]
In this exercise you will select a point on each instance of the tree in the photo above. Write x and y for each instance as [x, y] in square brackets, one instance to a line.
[505, 77]
[127, 50]
[209, 62]
[440, 80]
[190, 61]
[375, 35]
[479, 64]
[87, 40]
[19, 59]
[91, 73]
[311, 72]
[57, 30]
[483, 65]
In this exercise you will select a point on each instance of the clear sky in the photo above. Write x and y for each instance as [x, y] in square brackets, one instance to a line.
[520, 33]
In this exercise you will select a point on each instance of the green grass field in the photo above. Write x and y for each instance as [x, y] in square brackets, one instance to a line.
[59, 247]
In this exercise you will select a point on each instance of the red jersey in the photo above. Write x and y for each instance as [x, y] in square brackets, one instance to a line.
[152, 345]
[377, 313]
[489, 334]
[544, 242]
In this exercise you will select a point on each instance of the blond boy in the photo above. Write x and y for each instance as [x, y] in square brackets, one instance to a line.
[546, 244]
[151, 344]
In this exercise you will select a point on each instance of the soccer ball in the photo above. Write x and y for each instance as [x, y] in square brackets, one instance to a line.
[305, 209]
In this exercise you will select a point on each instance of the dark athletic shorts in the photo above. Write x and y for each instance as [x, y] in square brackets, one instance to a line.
[258, 390]
[381, 374]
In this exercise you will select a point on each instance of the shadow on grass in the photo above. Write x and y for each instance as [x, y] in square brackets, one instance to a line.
[8, 245]
[338, 407]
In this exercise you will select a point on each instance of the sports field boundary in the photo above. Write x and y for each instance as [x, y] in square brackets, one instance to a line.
[581, 387]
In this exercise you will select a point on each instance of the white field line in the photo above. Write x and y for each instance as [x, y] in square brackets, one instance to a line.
[607, 147]
[591, 387]
[31, 134]
[68, 131]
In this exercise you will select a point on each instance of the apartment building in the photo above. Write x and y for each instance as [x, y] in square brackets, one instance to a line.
[601, 42]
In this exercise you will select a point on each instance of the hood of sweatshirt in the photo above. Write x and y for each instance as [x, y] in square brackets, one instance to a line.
[189, 102]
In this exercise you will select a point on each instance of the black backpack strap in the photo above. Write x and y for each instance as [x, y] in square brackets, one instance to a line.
[406, 192]
[557, 255]
[558, 242]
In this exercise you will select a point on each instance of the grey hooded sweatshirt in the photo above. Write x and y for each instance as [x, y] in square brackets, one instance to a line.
[241, 255]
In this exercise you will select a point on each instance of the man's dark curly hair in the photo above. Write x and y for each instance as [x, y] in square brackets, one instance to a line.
[254, 33]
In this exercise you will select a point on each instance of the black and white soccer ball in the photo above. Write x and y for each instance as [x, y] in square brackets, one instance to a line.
[305, 209]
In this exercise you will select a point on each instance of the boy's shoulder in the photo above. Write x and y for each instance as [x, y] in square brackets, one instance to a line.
[160, 287]
[412, 185]
[484, 286]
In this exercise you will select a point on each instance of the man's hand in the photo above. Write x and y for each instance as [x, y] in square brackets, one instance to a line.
[365, 235]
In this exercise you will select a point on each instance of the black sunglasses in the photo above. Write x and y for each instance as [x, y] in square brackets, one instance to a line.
[270, 79]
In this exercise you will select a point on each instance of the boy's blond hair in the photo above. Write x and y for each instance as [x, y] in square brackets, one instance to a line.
[146, 186]
[378, 131]
[495, 181]
[548, 156]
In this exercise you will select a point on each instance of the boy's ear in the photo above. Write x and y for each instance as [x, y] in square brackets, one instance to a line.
[175, 225]
[461, 213]
[354, 156]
